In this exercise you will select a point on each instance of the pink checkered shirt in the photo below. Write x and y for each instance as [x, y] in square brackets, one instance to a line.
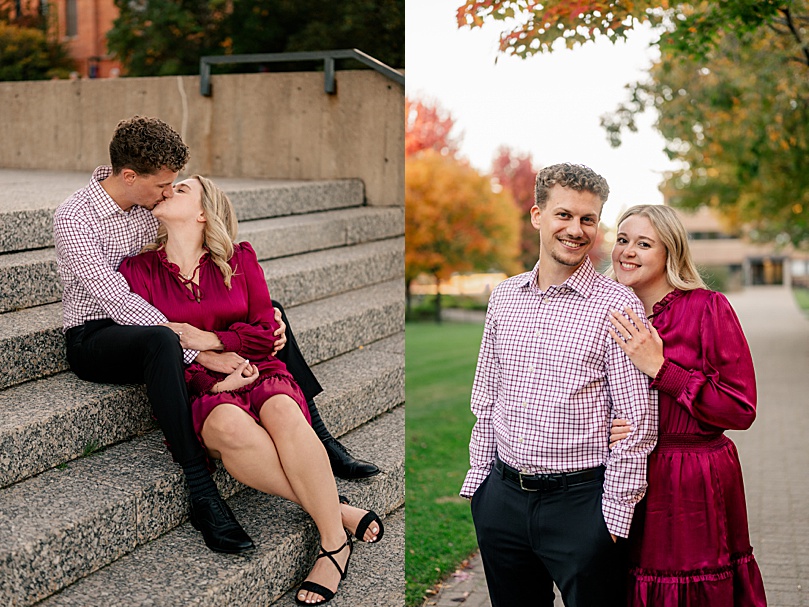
[93, 235]
[550, 380]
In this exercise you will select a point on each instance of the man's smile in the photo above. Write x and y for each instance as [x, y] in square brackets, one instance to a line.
[570, 244]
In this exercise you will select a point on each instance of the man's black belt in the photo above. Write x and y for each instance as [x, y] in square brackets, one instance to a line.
[547, 482]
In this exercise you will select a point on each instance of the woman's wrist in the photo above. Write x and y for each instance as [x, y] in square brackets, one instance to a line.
[655, 368]
[214, 343]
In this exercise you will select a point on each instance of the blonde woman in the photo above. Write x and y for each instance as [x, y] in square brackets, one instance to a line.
[689, 542]
[255, 419]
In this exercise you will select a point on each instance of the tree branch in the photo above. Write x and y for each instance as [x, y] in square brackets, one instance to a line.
[796, 34]
[779, 28]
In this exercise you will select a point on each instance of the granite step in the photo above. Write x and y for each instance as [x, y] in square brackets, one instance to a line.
[30, 278]
[321, 330]
[31, 197]
[308, 277]
[32, 343]
[285, 236]
[65, 524]
[47, 422]
[376, 573]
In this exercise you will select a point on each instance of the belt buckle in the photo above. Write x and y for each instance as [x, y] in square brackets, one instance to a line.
[523, 487]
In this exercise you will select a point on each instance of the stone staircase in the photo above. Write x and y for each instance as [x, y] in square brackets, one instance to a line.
[92, 509]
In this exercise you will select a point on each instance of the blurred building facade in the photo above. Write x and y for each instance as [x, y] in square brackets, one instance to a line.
[82, 25]
[725, 253]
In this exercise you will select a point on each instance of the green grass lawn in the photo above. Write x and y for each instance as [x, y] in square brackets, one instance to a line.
[802, 297]
[440, 363]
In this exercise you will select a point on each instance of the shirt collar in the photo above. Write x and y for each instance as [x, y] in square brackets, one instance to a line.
[103, 204]
[581, 281]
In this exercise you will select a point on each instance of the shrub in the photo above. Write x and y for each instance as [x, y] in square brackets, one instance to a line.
[27, 54]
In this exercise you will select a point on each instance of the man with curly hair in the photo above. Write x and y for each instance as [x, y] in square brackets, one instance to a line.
[114, 336]
[549, 499]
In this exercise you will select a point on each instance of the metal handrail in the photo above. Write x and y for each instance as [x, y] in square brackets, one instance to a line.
[328, 58]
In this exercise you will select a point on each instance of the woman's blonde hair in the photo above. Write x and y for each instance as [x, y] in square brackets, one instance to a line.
[221, 227]
[681, 271]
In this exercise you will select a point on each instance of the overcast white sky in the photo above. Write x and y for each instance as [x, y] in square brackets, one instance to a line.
[548, 105]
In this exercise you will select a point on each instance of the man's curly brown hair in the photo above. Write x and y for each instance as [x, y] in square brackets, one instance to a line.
[146, 145]
[574, 176]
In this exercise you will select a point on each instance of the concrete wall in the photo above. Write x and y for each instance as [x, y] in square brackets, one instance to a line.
[278, 125]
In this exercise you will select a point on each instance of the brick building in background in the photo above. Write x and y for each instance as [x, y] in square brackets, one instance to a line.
[82, 25]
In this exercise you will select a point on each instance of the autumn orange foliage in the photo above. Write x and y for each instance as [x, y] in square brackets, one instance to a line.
[454, 221]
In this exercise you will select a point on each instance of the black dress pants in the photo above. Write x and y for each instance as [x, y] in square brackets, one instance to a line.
[292, 357]
[105, 352]
[529, 540]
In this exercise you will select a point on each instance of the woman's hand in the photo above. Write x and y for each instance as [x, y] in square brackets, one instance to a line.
[244, 375]
[619, 430]
[643, 346]
[192, 338]
[280, 333]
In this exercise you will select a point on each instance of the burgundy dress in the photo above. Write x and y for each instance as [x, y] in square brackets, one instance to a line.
[689, 542]
[242, 317]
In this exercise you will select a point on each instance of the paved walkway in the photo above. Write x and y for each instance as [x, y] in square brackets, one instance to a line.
[774, 454]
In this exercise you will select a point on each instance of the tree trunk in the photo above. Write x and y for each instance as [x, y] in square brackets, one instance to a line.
[437, 300]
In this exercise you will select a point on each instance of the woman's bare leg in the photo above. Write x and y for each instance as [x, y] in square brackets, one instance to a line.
[253, 457]
[307, 468]
[246, 450]
[250, 456]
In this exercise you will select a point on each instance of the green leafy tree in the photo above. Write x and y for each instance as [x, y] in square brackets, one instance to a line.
[165, 37]
[375, 27]
[738, 122]
[28, 49]
[27, 54]
[162, 37]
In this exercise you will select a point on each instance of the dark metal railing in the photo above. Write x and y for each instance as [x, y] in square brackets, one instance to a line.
[328, 58]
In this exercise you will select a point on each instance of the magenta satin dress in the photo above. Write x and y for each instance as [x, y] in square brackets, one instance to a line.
[689, 542]
[242, 317]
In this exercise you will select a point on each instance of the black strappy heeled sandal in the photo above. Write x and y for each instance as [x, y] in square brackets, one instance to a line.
[364, 523]
[327, 594]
